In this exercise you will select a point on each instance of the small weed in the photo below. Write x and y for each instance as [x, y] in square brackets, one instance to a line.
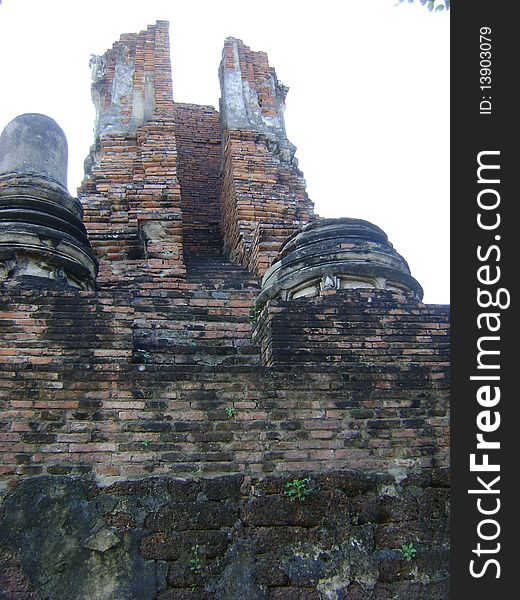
[142, 356]
[196, 562]
[254, 313]
[231, 411]
[297, 489]
[408, 551]
[146, 443]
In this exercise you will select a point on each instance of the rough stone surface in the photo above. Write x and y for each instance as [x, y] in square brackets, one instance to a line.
[60, 544]
[57, 538]
[239, 577]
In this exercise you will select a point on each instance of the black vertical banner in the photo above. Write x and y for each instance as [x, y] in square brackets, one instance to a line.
[485, 426]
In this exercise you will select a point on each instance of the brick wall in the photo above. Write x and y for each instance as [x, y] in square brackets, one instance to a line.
[258, 188]
[355, 326]
[197, 130]
[102, 384]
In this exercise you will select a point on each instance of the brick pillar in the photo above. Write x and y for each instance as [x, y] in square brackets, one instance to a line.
[263, 194]
[131, 193]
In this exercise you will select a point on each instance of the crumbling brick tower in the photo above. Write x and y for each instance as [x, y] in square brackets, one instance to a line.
[172, 426]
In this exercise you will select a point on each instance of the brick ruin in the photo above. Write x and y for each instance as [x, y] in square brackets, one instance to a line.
[206, 390]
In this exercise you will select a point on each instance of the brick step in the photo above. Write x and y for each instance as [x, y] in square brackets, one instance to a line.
[215, 351]
[206, 359]
[192, 327]
[194, 244]
[208, 324]
[217, 272]
[155, 333]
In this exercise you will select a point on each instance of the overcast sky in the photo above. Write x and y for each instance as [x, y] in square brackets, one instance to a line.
[368, 106]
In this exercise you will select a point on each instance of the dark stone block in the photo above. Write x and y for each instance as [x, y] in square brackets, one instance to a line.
[290, 425]
[192, 593]
[161, 546]
[352, 482]
[181, 575]
[355, 591]
[152, 426]
[121, 521]
[105, 503]
[441, 477]
[13, 584]
[380, 592]
[88, 403]
[196, 515]
[421, 479]
[239, 579]
[434, 562]
[392, 566]
[394, 535]
[434, 503]
[304, 571]
[51, 415]
[140, 488]
[222, 488]
[402, 507]
[188, 426]
[367, 509]
[183, 491]
[269, 572]
[276, 539]
[319, 508]
[57, 470]
[39, 438]
[420, 591]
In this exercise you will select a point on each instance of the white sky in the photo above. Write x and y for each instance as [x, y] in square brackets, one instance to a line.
[368, 106]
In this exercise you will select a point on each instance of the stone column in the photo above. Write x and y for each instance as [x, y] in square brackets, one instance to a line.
[43, 241]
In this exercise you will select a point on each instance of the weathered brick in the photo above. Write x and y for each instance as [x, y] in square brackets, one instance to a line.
[160, 374]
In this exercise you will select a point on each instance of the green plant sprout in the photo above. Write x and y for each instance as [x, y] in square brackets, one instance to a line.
[142, 356]
[196, 561]
[231, 411]
[408, 551]
[297, 489]
[253, 315]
